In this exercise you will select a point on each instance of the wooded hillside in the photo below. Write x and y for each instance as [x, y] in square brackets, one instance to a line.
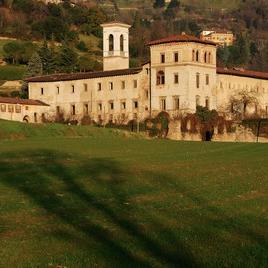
[76, 27]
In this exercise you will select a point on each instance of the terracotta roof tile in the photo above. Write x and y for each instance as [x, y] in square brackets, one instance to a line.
[78, 76]
[244, 73]
[180, 38]
[22, 101]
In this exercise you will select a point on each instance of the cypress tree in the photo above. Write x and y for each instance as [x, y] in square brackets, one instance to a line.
[35, 66]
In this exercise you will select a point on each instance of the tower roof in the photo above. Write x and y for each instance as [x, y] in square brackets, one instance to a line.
[115, 23]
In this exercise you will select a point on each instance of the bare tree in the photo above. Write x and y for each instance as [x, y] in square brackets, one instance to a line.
[241, 102]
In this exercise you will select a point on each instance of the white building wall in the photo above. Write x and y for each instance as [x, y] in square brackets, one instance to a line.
[93, 97]
[229, 86]
[187, 69]
[29, 113]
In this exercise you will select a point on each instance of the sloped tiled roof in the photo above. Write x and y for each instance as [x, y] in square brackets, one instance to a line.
[179, 39]
[78, 76]
[243, 73]
[22, 101]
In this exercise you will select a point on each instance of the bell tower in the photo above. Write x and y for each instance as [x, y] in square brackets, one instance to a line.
[115, 46]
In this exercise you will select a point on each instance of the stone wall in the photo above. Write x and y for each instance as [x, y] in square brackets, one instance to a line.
[239, 133]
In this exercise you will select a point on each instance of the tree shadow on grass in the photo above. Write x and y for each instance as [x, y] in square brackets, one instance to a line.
[82, 192]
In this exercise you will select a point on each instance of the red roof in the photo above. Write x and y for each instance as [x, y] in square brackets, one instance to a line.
[22, 101]
[244, 73]
[180, 38]
[78, 76]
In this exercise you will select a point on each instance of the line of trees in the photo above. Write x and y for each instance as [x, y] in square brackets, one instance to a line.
[244, 53]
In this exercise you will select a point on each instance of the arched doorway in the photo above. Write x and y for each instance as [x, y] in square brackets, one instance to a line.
[26, 119]
[208, 135]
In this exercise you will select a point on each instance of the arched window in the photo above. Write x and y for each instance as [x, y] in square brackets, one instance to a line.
[121, 42]
[193, 55]
[111, 42]
[160, 78]
[197, 56]
[205, 57]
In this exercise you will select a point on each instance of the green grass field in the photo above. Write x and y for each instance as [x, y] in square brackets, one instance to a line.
[12, 72]
[89, 197]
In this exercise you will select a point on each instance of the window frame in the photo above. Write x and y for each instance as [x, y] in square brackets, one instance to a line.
[197, 80]
[176, 78]
[176, 56]
[162, 58]
[99, 86]
[163, 103]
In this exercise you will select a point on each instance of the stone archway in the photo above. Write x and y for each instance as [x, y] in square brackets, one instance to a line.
[26, 119]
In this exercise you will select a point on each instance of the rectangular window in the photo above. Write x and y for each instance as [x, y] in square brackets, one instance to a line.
[176, 103]
[123, 105]
[123, 84]
[58, 110]
[85, 109]
[176, 57]
[100, 107]
[163, 104]
[111, 85]
[207, 79]
[163, 59]
[18, 109]
[197, 80]
[72, 88]
[85, 87]
[135, 83]
[207, 103]
[111, 103]
[176, 78]
[58, 90]
[197, 101]
[10, 108]
[99, 86]
[3, 108]
[73, 109]
[135, 104]
[42, 91]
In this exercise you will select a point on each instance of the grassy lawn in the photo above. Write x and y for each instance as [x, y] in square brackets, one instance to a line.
[88, 197]
[12, 72]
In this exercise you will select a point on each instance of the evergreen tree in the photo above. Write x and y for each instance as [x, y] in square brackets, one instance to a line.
[223, 55]
[159, 3]
[34, 67]
[48, 58]
[174, 4]
[67, 59]
[264, 59]
[243, 50]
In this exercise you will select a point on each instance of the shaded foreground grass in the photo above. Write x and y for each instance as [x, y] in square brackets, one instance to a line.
[111, 201]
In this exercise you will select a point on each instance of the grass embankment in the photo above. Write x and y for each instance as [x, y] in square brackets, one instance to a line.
[12, 72]
[110, 201]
